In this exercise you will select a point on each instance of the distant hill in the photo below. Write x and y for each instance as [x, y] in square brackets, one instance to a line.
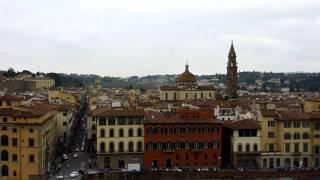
[294, 81]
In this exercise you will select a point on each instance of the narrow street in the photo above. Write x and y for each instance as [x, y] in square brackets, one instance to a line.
[83, 159]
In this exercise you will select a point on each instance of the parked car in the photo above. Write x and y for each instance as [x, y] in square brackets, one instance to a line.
[75, 155]
[176, 169]
[65, 157]
[59, 177]
[74, 174]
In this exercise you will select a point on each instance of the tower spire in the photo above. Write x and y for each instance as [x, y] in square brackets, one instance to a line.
[187, 66]
[232, 52]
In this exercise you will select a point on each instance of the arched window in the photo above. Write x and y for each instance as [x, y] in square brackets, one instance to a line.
[4, 155]
[139, 146]
[111, 133]
[255, 147]
[4, 170]
[168, 145]
[121, 147]
[166, 96]
[130, 146]
[196, 145]
[140, 132]
[130, 132]
[4, 140]
[209, 94]
[111, 147]
[239, 147]
[187, 145]
[174, 96]
[150, 130]
[102, 147]
[102, 133]
[121, 133]
[186, 95]
[247, 147]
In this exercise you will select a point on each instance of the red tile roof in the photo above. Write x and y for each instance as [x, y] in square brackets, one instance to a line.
[242, 124]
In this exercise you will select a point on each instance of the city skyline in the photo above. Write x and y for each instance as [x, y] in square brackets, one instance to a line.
[140, 38]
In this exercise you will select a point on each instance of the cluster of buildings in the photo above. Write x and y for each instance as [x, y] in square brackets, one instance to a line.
[25, 82]
[193, 126]
[35, 130]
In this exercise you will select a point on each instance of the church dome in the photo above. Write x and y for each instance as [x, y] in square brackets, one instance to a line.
[186, 78]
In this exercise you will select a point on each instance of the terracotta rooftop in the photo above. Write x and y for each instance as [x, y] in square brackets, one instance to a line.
[293, 115]
[11, 97]
[242, 124]
[116, 113]
[182, 116]
[35, 110]
[270, 113]
[313, 99]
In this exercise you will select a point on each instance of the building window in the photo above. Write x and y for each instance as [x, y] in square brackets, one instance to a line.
[305, 147]
[270, 123]
[4, 170]
[102, 147]
[174, 96]
[271, 134]
[296, 124]
[287, 136]
[287, 124]
[305, 135]
[317, 125]
[64, 123]
[121, 147]
[139, 132]
[5, 119]
[255, 147]
[14, 142]
[14, 157]
[102, 133]
[265, 163]
[130, 132]
[201, 95]
[296, 136]
[130, 146]
[121, 121]
[247, 147]
[296, 147]
[4, 140]
[209, 94]
[139, 146]
[121, 133]
[65, 114]
[271, 147]
[278, 162]
[93, 127]
[111, 147]
[305, 124]
[317, 149]
[102, 122]
[240, 147]
[287, 147]
[4, 155]
[31, 158]
[31, 142]
[14, 130]
[166, 96]
[111, 133]
[186, 95]
[111, 121]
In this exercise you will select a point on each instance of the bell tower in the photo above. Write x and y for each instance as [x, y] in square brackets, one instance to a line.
[232, 74]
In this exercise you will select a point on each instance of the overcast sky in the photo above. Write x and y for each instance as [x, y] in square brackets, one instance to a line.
[141, 37]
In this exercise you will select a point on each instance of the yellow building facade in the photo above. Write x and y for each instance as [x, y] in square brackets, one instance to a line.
[42, 82]
[120, 138]
[26, 141]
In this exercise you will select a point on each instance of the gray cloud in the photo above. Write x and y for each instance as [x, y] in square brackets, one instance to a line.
[123, 38]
